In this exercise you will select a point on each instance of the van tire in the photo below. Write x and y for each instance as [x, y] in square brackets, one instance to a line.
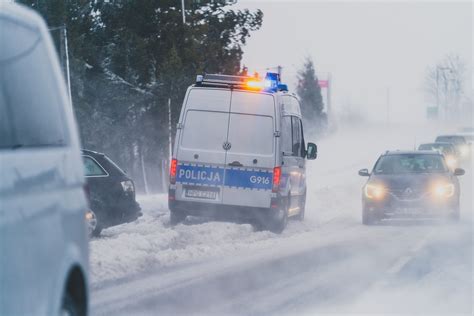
[177, 217]
[278, 225]
[302, 206]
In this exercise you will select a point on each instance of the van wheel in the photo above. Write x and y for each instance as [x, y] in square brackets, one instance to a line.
[69, 306]
[278, 223]
[302, 206]
[177, 217]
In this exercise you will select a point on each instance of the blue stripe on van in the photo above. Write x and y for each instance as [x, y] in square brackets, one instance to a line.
[234, 177]
[248, 179]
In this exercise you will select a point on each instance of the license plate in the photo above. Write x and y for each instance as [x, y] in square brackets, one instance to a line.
[409, 210]
[200, 194]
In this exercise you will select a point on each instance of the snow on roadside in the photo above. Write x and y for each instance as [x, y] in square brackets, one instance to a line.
[333, 193]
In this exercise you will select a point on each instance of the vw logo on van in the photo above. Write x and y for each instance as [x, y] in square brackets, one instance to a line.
[226, 145]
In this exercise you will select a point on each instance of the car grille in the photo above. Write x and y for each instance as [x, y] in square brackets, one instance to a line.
[407, 193]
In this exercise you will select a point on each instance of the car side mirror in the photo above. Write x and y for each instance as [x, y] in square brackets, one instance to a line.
[311, 151]
[364, 173]
[459, 172]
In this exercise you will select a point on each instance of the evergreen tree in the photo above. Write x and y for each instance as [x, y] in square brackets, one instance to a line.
[128, 58]
[309, 92]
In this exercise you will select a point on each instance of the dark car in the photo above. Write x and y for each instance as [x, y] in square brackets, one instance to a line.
[451, 156]
[111, 193]
[413, 184]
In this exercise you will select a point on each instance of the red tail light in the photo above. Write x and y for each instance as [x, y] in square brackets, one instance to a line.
[173, 169]
[276, 178]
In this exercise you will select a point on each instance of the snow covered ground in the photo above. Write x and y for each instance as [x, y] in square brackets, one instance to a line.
[342, 265]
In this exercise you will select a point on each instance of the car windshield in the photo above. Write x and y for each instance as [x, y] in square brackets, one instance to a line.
[451, 139]
[407, 163]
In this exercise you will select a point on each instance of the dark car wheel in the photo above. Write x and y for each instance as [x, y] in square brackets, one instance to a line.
[368, 218]
[177, 217]
[456, 214]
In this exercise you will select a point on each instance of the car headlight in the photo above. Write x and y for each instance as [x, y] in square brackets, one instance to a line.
[451, 162]
[127, 186]
[375, 191]
[443, 190]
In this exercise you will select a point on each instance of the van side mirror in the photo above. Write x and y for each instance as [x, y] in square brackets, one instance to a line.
[459, 172]
[311, 151]
[364, 173]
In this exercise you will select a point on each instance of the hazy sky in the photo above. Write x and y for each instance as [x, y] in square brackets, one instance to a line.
[368, 47]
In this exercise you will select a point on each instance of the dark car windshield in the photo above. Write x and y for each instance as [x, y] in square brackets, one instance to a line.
[444, 148]
[410, 163]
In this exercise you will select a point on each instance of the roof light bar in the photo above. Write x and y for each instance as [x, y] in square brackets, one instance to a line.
[271, 82]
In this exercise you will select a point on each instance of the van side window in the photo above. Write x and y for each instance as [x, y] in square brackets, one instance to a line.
[297, 137]
[30, 97]
[286, 135]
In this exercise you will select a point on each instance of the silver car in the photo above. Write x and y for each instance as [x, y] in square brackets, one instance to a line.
[43, 235]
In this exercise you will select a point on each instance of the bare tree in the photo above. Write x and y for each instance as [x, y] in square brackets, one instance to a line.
[444, 86]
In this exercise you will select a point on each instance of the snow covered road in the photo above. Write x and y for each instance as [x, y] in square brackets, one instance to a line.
[329, 263]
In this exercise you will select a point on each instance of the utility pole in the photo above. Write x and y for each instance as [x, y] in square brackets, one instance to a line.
[182, 11]
[64, 55]
[388, 106]
[329, 91]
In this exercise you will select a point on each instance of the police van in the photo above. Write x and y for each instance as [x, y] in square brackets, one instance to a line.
[239, 152]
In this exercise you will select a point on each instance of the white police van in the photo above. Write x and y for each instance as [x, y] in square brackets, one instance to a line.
[239, 151]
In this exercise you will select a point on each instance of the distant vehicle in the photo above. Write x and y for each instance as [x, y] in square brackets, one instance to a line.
[43, 234]
[447, 149]
[240, 150]
[414, 184]
[111, 193]
[462, 145]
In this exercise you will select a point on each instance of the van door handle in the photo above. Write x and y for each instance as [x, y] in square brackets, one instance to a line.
[236, 164]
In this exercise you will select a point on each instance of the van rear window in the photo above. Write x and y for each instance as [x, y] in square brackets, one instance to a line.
[205, 130]
[251, 134]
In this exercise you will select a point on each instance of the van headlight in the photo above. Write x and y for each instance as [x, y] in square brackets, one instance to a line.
[443, 190]
[127, 186]
[375, 191]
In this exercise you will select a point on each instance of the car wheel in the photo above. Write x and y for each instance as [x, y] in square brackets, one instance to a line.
[177, 217]
[93, 225]
[69, 306]
[302, 206]
[456, 214]
[367, 217]
[278, 223]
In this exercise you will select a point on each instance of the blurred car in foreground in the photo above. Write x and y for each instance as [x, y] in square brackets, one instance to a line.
[459, 141]
[447, 149]
[43, 237]
[111, 193]
[413, 184]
